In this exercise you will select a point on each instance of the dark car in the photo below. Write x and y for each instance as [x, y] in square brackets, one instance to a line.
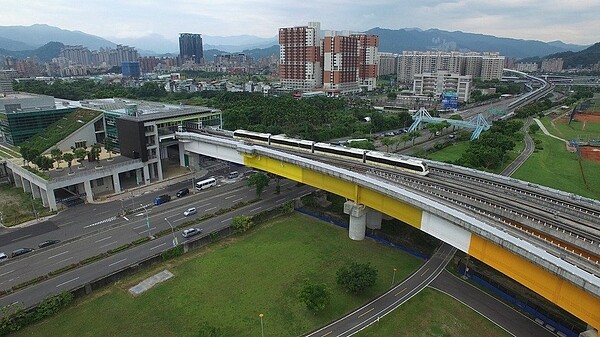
[161, 199]
[182, 192]
[20, 251]
[48, 243]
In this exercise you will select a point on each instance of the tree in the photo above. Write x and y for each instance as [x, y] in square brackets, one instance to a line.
[260, 180]
[29, 154]
[80, 154]
[533, 128]
[414, 135]
[108, 145]
[315, 296]
[356, 277]
[387, 141]
[94, 153]
[57, 155]
[242, 223]
[44, 163]
[68, 157]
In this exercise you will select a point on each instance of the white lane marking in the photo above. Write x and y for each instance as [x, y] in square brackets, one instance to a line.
[140, 226]
[19, 238]
[125, 218]
[236, 200]
[141, 214]
[204, 205]
[228, 219]
[229, 197]
[106, 238]
[108, 244]
[255, 209]
[112, 264]
[162, 244]
[112, 218]
[61, 261]
[208, 209]
[8, 272]
[62, 284]
[179, 219]
[146, 231]
[59, 254]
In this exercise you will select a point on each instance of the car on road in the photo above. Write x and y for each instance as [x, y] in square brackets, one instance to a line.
[189, 211]
[3, 257]
[233, 174]
[161, 199]
[188, 233]
[48, 243]
[20, 251]
[182, 192]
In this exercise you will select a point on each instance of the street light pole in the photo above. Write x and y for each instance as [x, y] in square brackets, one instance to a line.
[262, 329]
[172, 231]
[147, 220]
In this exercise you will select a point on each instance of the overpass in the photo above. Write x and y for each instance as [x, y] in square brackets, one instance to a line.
[526, 260]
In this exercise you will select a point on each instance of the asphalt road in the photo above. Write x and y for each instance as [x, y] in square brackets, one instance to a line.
[501, 314]
[381, 306]
[91, 246]
[98, 236]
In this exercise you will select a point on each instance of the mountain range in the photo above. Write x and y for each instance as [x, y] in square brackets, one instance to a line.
[20, 41]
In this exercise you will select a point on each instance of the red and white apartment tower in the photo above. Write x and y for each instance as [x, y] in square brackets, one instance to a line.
[300, 57]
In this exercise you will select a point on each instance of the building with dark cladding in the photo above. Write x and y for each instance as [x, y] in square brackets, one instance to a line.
[190, 48]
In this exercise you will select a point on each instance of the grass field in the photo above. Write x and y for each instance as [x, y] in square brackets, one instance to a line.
[229, 284]
[432, 313]
[557, 168]
[450, 153]
[572, 131]
[17, 206]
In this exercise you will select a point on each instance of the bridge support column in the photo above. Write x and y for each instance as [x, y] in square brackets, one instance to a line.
[146, 175]
[116, 182]
[35, 191]
[138, 176]
[591, 332]
[89, 195]
[373, 219]
[17, 179]
[181, 154]
[358, 220]
[26, 185]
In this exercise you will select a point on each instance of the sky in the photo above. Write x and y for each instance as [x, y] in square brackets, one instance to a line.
[573, 21]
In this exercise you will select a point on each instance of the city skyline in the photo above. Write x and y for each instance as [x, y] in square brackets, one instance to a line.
[521, 19]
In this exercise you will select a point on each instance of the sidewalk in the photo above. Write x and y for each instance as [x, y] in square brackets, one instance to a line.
[545, 131]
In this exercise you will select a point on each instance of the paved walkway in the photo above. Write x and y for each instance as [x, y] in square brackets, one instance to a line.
[545, 131]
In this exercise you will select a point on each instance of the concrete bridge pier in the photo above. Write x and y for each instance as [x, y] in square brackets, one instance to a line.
[591, 332]
[373, 219]
[358, 220]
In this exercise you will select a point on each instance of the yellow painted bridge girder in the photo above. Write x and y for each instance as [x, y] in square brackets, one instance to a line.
[578, 302]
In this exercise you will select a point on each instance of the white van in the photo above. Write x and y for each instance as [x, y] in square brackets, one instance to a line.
[233, 174]
[206, 183]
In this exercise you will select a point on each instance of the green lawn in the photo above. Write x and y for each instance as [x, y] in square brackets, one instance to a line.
[17, 206]
[228, 284]
[449, 154]
[432, 313]
[575, 130]
[557, 168]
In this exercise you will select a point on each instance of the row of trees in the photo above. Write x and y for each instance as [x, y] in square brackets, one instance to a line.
[354, 278]
[57, 156]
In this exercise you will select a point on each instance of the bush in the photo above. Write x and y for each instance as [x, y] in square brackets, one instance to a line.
[93, 258]
[63, 269]
[119, 249]
[172, 253]
[30, 282]
[356, 277]
[242, 223]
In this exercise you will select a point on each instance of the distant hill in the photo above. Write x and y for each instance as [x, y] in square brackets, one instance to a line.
[581, 59]
[44, 53]
[396, 41]
[39, 35]
[10, 44]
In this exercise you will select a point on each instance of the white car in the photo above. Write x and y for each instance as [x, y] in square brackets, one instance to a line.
[189, 211]
[3, 257]
[191, 232]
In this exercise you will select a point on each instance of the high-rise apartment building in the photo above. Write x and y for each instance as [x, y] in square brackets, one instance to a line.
[190, 48]
[436, 83]
[486, 66]
[300, 57]
[387, 63]
[340, 63]
[553, 65]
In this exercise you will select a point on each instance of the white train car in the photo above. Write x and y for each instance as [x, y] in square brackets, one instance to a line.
[397, 162]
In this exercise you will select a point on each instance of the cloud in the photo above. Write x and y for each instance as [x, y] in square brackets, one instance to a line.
[575, 22]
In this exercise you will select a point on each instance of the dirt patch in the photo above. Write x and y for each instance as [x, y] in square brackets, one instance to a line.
[590, 153]
[593, 117]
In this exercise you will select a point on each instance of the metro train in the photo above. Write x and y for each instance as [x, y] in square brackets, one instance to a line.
[364, 156]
